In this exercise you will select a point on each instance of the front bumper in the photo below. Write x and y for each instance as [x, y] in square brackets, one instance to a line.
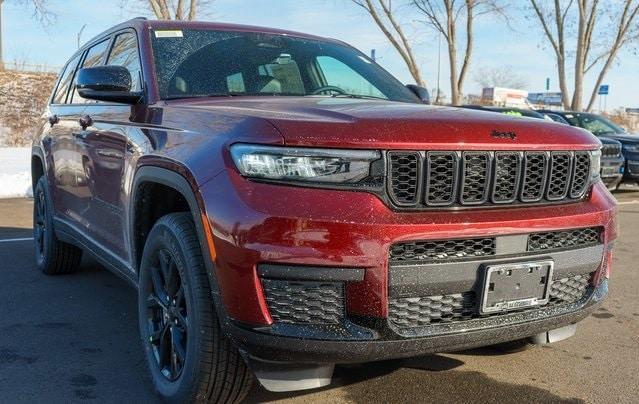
[255, 224]
[267, 347]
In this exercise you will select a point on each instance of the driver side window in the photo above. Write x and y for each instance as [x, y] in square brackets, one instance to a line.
[337, 74]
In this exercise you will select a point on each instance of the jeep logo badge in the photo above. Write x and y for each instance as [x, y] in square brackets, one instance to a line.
[503, 135]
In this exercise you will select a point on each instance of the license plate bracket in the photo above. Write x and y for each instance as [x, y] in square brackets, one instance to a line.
[515, 286]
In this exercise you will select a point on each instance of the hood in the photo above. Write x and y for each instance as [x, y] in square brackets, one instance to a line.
[607, 140]
[624, 138]
[359, 123]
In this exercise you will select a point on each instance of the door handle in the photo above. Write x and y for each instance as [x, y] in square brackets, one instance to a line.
[85, 121]
[53, 119]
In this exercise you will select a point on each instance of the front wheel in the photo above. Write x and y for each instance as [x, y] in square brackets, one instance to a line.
[189, 358]
[53, 256]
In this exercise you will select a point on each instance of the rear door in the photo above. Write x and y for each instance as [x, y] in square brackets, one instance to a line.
[103, 146]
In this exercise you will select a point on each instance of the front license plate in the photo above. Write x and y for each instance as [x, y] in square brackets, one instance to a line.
[516, 286]
[608, 171]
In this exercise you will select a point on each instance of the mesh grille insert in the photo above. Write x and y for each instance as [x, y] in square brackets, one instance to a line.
[559, 175]
[425, 251]
[441, 177]
[404, 177]
[534, 176]
[507, 168]
[580, 173]
[555, 240]
[475, 177]
[413, 312]
[304, 302]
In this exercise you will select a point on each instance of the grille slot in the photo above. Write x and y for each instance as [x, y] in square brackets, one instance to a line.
[441, 177]
[580, 173]
[304, 302]
[404, 185]
[414, 312]
[535, 167]
[557, 240]
[507, 173]
[559, 177]
[476, 171]
[442, 250]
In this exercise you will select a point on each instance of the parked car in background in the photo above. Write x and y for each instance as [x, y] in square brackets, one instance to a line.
[612, 161]
[528, 113]
[282, 204]
[603, 127]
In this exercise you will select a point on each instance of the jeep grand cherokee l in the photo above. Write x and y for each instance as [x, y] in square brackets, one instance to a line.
[282, 204]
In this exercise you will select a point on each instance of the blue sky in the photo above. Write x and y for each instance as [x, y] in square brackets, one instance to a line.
[496, 45]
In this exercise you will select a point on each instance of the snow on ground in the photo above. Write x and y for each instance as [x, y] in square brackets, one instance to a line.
[15, 172]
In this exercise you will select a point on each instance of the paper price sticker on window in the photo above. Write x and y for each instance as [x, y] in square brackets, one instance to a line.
[168, 34]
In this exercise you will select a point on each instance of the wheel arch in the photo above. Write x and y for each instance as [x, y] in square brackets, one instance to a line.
[166, 178]
[38, 168]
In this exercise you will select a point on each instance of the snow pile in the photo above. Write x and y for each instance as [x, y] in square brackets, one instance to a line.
[15, 172]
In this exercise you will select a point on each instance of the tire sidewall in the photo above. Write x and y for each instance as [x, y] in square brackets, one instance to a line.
[164, 236]
[43, 262]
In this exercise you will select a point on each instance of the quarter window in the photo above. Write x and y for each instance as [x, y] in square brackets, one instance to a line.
[125, 53]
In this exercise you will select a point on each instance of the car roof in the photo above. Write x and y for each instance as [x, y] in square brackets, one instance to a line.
[141, 24]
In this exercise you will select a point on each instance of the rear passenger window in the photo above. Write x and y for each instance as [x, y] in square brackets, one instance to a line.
[125, 53]
[94, 57]
[61, 91]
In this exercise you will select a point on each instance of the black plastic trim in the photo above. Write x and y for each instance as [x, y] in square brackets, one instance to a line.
[310, 273]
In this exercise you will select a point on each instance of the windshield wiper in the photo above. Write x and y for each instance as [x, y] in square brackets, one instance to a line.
[358, 96]
[180, 97]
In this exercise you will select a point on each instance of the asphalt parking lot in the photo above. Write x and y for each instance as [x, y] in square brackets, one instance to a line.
[74, 338]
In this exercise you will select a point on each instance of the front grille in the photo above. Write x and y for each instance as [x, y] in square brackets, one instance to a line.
[304, 302]
[413, 312]
[611, 151]
[454, 178]
[558, 240]
[442, 250]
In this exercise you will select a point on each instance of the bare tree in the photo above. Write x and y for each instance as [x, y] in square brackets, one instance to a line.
[40, 12]
[504, 76]
[594, 33]
[385, 17]
[187, 10]
[446, 17]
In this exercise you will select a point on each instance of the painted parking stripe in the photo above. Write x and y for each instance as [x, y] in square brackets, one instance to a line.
[633, 202]
[11, 240]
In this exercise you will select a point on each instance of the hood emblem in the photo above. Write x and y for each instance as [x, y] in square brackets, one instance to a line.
[503, 135]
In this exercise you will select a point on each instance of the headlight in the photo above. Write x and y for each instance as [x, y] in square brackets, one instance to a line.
[631, 147]
[595, 164]
[303, 165]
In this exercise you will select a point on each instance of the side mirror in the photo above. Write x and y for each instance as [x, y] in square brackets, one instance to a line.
[420, 92]
[107, 83]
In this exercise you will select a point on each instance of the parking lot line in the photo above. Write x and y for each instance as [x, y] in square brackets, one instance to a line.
[633, 202]
[11, 240]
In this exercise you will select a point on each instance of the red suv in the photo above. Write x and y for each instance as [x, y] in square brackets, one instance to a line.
[282, 204]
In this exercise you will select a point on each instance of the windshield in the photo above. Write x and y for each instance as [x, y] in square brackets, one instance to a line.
[595, 124]
[200, 63]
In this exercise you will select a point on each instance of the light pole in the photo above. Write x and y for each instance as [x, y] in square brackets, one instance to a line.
[1, 59]
[439, 63]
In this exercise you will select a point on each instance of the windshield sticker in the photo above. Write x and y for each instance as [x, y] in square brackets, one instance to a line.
[168, 34]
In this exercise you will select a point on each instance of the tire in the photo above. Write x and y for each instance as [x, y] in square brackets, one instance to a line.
[189, 358]
[53, 257]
